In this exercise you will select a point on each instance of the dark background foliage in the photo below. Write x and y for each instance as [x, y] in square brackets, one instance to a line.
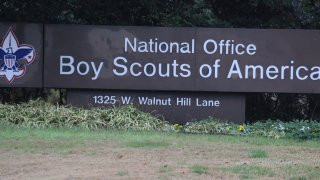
[293, 14]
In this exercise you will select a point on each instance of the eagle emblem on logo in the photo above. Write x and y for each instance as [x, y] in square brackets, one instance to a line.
[14, 57]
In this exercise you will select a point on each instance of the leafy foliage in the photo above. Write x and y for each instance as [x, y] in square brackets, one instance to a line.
[210, 126]
[39, 114]
[298, 129]
[120, 12]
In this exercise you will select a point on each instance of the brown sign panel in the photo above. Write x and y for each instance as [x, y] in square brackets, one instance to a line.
[175, 107]
[21, 55]
[183, 59]
[103, 57]
[264, 60]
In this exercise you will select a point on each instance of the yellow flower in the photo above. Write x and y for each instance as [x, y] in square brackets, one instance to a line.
[241, 128]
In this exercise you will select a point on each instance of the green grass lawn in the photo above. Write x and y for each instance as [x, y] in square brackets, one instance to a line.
[130, 137]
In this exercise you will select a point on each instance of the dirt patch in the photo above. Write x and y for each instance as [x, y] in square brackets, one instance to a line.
[109, 161]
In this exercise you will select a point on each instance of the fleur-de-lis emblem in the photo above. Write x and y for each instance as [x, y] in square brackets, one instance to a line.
[14, 57]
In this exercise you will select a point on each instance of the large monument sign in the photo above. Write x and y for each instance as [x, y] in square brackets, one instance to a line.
[182, 73]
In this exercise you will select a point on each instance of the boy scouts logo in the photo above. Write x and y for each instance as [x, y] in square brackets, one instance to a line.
[14, 57]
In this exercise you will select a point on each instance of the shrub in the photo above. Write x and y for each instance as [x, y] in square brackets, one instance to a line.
[298, 129]
[210, 126]
[39, 114]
